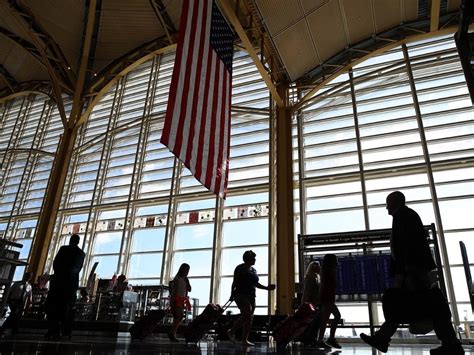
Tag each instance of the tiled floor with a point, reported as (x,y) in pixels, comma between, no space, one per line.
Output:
(98,345)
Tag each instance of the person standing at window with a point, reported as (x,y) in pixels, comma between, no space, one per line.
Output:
(63,288)
(243,293)
(179,301)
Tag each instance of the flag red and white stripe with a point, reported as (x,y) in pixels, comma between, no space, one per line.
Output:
(197,123)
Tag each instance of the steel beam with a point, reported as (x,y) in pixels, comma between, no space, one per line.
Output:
(165,20)
(226,6)
(435,9)
(331,76)
(52,199)
(26,88)
(93,9)
(269,53)
(46,47)
(27,46)
(78,99)
(8,78)
(59,172)
(285,253)
(106,85)
(431,180)
(114,69)
(54,55)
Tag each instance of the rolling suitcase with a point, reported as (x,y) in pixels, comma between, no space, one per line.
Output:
(310,334)
(146,324)
(295,325)
(203,322)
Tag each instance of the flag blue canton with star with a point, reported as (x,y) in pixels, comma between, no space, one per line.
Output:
(222,37)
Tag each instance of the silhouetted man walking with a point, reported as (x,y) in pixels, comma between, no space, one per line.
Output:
(414,296)
(63,288)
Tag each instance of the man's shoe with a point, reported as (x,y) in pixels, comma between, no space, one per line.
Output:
(247,343)
(374,342)
(231,336)
(448,349)
(333,343)
(322,345)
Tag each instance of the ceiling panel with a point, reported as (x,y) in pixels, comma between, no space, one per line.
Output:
(311,5)
(359,17)
(410,10)
(5,47)
(10,23)
(124,26)
(22,66)
(173,8)
(62,20)
(387,14)
(327,29)
(296,49)
(279,14)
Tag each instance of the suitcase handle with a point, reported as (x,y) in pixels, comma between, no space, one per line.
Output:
(226,305)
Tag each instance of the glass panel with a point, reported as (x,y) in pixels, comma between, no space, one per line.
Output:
(107,266)
(454,250)
(248,232)
(344,221)
(194,236)
(148,239)
(25,251)
(199,261)
(200,289)
(145,265)
(460,284)
(107,243)
(457,214)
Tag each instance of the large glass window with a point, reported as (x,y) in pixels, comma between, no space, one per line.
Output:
(391,155)
(139,211)
(135,205)
(29,134)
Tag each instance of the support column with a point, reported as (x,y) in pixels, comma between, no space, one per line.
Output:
(52,200)
(285,255)
(47,220)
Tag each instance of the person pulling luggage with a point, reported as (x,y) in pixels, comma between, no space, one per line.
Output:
(327,295)
(243,293)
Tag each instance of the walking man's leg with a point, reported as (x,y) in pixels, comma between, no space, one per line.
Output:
(443,327)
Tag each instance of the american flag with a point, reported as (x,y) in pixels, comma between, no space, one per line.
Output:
(197,122)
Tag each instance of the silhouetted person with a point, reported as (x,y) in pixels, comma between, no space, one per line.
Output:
(63,288)
(327,295)
(243,293)
(19,299)
(312,284)
(414,296)
(311,293)
(179,301)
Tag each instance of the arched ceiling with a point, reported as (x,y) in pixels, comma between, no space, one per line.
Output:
(299,38)
(308,33)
